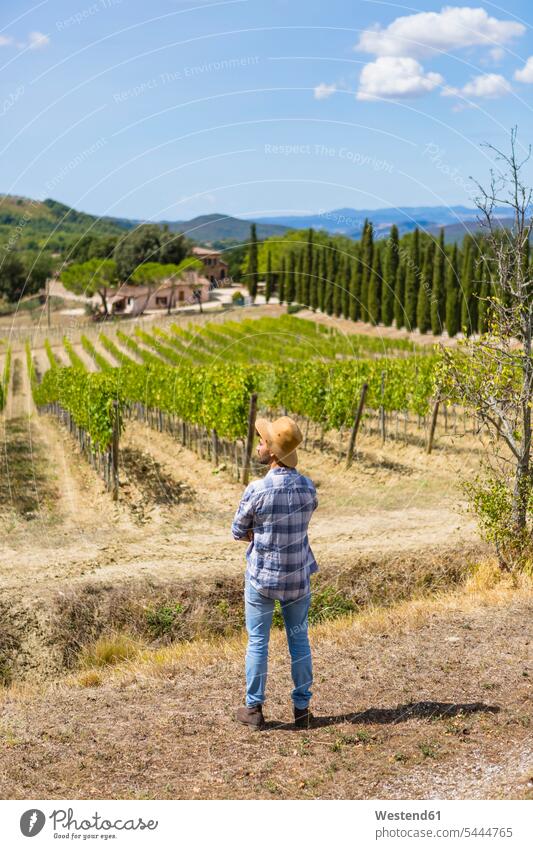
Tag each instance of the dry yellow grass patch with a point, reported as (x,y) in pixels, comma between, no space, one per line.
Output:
(118,659)
(486,586)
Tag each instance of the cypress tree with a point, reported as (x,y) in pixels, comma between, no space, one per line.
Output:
(281,283)
(374,290)
(268,278)
(330,279)
(321,264)
(438,287)
(339,283)
(290,286)
(423,306)
(300,277)
(468,301)
(483,303)
(367,249)
(399,297)
(313,279)
(452,295)
(345,295)
(307,270)
(392,259)
(252,263)
(355,286)
(412,281)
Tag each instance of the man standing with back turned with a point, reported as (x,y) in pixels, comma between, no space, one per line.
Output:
(274,515)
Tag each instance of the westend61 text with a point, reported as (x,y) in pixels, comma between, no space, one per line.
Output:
(407,815)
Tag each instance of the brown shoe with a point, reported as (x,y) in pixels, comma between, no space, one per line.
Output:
(302,717)
(251,716)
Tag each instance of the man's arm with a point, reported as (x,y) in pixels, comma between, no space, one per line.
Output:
(243,521)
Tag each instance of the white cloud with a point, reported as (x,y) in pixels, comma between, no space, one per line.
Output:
(323,90)
(497,54)
(525,74)
(427,32)
(5,40)
(395,76)
(37,40)
(484,85)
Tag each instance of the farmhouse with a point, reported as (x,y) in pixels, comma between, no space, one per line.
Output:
(134,300)
(215,268)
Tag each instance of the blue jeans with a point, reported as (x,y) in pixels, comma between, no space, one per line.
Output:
(258,615)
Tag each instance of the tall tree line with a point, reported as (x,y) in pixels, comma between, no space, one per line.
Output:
(413,282)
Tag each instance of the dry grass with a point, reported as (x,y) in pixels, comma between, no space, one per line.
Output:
(116,658)
(428,698)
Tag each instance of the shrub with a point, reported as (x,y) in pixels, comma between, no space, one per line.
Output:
(161,620)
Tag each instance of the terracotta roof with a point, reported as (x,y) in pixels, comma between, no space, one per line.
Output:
(205,252)
(127,290)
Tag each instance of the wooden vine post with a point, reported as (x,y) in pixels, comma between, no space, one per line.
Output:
(433,425)
(114,449)
(249,438)
(355,426)
(382,408)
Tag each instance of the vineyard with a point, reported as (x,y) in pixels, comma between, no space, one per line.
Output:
(205,385)
(166,412)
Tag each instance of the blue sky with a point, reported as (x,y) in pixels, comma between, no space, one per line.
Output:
(171,109)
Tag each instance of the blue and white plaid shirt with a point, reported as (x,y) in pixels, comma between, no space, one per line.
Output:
(278,508)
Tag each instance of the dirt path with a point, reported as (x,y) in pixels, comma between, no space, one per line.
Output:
(88,361)
(428,704)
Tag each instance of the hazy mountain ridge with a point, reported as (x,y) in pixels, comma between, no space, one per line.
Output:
(51,216)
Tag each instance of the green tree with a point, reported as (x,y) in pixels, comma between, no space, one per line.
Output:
(399,297)
(300,259)
(140,245)
(355,286)
(453,303)
(268,278)
(252,275)
(392,259)
(322,280)
(174,247)
(468,285)
(340,277)
(374,291)
(423,307)
(367,251)
(291,284)
(438,287)
(412,281)
(94,277)
(307,269)
(12,276)
(314,281)
(331,270)
(92,246)
(281,284)
(345,294)
(484,294)
(39,268)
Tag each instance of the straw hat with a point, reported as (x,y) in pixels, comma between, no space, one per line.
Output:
(282,436)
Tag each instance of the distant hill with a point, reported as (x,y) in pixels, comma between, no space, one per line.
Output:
(349,222)
(21,211)
(218,227)
(51,224)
